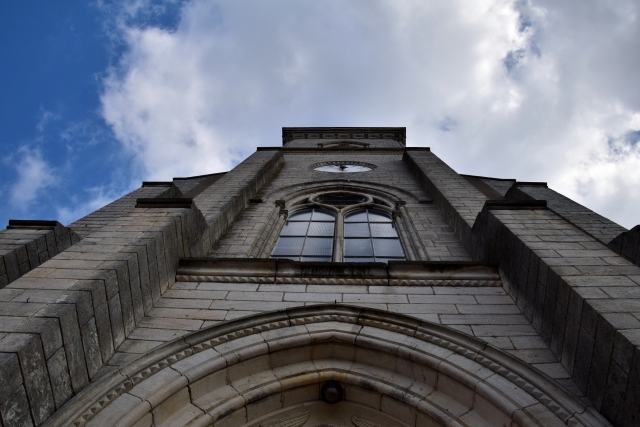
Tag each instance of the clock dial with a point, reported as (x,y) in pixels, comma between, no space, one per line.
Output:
(342,168)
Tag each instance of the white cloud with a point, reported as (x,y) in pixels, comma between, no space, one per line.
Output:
(98,197)
(45,117)
(34,175)
(533,90)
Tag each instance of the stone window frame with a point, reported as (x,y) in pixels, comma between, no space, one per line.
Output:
(310,200)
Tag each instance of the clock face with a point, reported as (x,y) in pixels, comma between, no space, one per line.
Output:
(342,168)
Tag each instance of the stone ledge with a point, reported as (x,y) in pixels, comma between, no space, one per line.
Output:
(495,205)
(164,202)
(266,270)
(26,244)
(157,183)
(529,184)
(31,224)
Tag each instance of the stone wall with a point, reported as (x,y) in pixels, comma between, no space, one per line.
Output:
(600,228)
(627,244)
(24,245)
(431,233)
(61,322)
(103,216)
(457,199)
(579,295)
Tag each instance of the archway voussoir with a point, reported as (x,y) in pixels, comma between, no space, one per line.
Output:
(373,353)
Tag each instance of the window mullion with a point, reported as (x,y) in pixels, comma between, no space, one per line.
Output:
(338,241)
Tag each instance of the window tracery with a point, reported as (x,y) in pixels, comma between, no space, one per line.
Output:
(340,226)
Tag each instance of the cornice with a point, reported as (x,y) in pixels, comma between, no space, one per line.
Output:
(281,271)
(344,133)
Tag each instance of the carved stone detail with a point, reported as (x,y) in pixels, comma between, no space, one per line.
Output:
(337,281)
(537,386)
(289,421)
(360,422)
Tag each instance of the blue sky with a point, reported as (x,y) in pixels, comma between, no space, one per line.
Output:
(96,96)
(57,150)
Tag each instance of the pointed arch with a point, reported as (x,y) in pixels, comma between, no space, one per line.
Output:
(271,366)
(288,198)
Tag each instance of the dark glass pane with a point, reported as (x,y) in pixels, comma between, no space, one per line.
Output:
(383,230)
(377,216)
(321,229)
(318,246)
(288,246)
(388,248)
(292,258)
(303,215)
(320,259)
(341,199)
(320,215)
(353,259)
(356,229)
(358,216)
(294,229)
(357,247)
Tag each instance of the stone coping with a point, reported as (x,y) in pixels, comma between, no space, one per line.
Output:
(224,369)
(514,205)
(351,150)
(396,133)
(157,183)
(31,224)
(164,202)
(266,270)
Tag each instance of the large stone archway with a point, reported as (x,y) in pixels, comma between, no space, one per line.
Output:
(269,369)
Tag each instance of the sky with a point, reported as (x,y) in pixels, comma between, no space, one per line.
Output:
(97,96)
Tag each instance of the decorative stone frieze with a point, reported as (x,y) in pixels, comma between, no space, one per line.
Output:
(393,273)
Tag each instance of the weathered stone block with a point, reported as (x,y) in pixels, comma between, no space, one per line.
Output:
(101,315)
(91,347)
(117,325)
(9,372)
(580,374)
(59,375)
(600,362)
(34,371)
(15,410)
(66,315)
(47,329)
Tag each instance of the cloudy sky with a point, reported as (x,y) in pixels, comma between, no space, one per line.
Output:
(96,96)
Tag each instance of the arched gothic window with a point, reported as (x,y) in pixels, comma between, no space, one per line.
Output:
(307,236)
(339,226)
(370,236)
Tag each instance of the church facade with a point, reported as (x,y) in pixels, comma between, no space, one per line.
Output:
(342,279)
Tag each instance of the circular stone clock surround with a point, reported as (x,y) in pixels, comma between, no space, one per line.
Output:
(340,166)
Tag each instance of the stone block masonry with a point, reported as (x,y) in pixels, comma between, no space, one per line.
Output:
(60,323)
(432,235)
(580,296)
(26,244)
(541,288)
(600,228)
(64,319)
(458,200)
(627,244)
